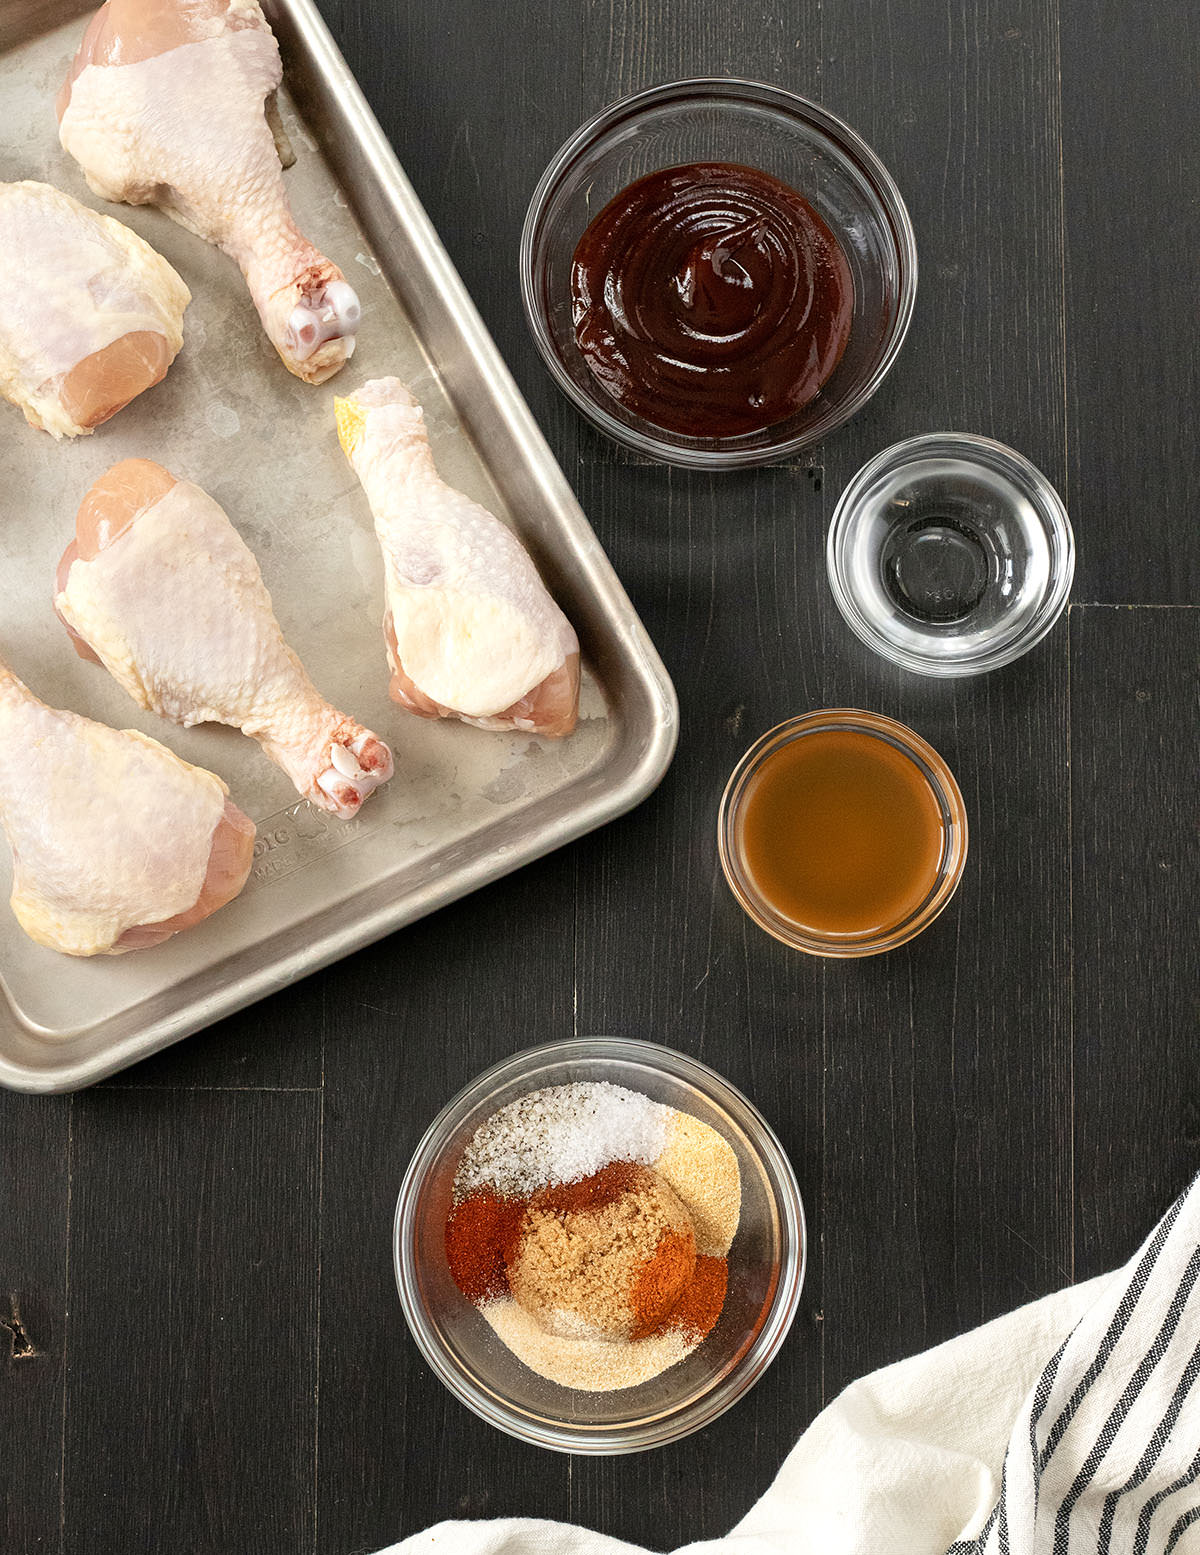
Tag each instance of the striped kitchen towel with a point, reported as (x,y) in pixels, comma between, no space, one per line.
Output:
(1105,1453)
(1068,1427)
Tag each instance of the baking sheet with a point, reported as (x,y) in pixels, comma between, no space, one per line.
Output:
(465,805)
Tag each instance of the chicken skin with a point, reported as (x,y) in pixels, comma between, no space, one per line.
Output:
(161,589)
(117,844)
(471,631)
(165,105)
(90,315)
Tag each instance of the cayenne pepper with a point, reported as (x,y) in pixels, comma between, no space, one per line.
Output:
(480,1232)
(700,1306)
(663,1282)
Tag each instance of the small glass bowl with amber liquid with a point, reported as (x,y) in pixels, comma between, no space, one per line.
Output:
(842,833)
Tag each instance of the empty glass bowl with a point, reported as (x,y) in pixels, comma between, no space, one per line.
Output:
(950,554)
(766,1261)
(764,127)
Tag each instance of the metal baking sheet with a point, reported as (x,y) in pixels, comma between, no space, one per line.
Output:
(465,806)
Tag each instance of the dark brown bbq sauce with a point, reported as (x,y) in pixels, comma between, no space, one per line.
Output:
(711,300)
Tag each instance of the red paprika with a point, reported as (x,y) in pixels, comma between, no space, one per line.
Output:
(698,1309)
(479,1231)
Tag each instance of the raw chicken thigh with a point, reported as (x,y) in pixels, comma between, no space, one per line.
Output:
(90,315)
(471,631)
(159,586)
(165,105)
(116,843)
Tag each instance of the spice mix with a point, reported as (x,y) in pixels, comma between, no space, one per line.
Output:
(591,1226)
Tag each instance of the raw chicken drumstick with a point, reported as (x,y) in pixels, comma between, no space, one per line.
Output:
(471,631)
(116,843)
(165,105)
(160,587)
(90,315)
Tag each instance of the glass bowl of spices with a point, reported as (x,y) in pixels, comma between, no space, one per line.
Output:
(599,1245)
(717,272)
(842,833)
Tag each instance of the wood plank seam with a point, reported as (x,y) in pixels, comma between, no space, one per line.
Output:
(66,1310)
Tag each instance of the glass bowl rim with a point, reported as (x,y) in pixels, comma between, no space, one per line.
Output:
(832,129)
(936,771)
(669,1425)
(972,447)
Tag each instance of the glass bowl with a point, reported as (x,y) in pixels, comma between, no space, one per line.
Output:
(766,1261)
(945,791)
(724,120)
(950,554)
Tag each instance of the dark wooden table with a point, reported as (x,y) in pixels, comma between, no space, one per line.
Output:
(202,1349)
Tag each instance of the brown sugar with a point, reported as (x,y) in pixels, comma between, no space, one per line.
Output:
(607,1257)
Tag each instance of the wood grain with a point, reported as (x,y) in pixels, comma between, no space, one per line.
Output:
(1003,1105)
(475,104)
(949,1061)
(414,1020)
(950,1058)
(275,1045)
(475,99)
(35,1149)
(961,102)
(1131,167)
(1135,756)
(718,568)
(191,1338)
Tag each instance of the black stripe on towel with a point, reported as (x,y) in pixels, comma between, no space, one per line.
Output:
(1002,1525)
(1062,1520)
(1152,1503)
(1116,1328)
(1184,1523)
(1152,1453)
(1041,1398)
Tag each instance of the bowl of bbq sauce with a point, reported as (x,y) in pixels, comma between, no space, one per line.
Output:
(717,272)
(842,833)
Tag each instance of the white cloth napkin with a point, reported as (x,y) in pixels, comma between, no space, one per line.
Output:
(1068,1427)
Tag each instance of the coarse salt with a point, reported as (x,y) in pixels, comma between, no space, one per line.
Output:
(560,1134)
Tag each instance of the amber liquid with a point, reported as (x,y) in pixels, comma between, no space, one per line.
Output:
(841,833)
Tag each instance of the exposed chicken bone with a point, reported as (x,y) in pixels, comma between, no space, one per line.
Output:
(166,104)
(333,314)
(170,599)
(344,761)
